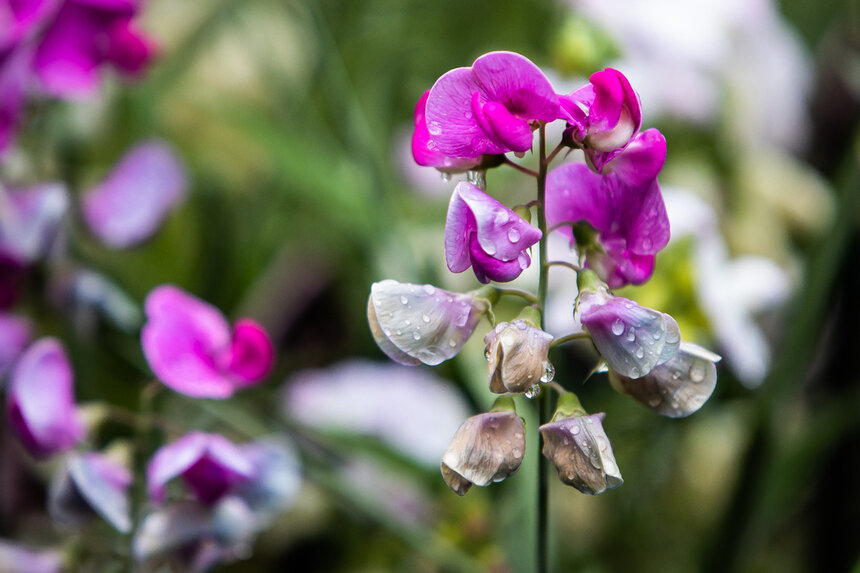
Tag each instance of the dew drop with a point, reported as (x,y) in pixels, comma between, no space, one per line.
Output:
(646,244)
(654,401)
(452,343)
(486,353)
(425,318)
(521,324)
(565,441)
(429,289)
(404,300)
(399,333)
(513,235)
(462,319)
(489,248)
(523,260)
(574,430)
(468,115)
(631,334)
(634,373)
(640,353)
(516,452)
(548,373)
(434,127)
(617,327)
(407,322)
(589,421)
(416,336)
(697,372)
(533,391)
(446,177)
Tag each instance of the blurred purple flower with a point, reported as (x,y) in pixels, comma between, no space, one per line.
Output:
(411,410)
(83,36)
(190,347)
(30,220)
(483,234)
(211,466)
(15,334)
(91,484)
(631,338)
(416,324)
(424,149)
(604,115)
(15,558)
(624,205)
(488,109)
(40,402)
(131,203)
(277,478)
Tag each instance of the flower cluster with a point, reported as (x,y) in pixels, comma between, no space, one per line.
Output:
(610,209)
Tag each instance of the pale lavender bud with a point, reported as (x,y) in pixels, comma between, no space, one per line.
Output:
(486,448)
(578,446)
(517,355)
(676,388)
(421,323)
(91,484)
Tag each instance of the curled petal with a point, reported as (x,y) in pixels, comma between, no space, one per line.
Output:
(642,159)
(615,115)
(251,351)
(679,386)
(581,452)
(517,356)
(631,338)
(421,323)
(424,149)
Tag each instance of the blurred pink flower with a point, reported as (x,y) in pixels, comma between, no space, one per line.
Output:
(191,348)
(131,203)
(15,558)
(40,407)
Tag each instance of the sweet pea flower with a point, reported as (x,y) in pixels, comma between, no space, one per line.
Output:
(517,355)
(30,220)
(82,37)
(604,116)
(483,234)
(488,109)
(211,466)
(131,203)
(190,347)
(676,388)
(632,339)
(15,335)
(425,151)
(487,448)
(91,484)
(416,324)
(15,558)
(40,406)
(623,205)
(577,445)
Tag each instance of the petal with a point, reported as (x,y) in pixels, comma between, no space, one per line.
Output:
(15,558)
(127,48)
(460,224)
(486,448)
(575,193)
(30,220)
(130,205)
(582,454)
(488,268)
(67,58)
(642,160)
(420,322)
(424,150)
(512,132)
(277,477)
(515,82)
(41,401)
(616,113)
(104,485)
(631,338)
(251,353)
(574,107)
(679,386)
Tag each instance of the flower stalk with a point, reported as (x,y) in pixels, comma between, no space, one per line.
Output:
(545,401)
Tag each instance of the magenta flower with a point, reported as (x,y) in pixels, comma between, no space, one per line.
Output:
(131,203)
(91,484)
(624,206)
(483,234)
(210,465)
(425,151)
(488,109)
(632,339)
(15,335)
(40,406)
(15,558)
(604,116)
(82,37)
(190,347)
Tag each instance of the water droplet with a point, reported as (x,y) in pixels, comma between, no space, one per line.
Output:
(513,235)
(574,430)
(517,452)
(548,373)
(404,300)
(452,343)
(640,353)
(589,421)
(565,441)
(523,260)
(416,336)
(477,178)
(617,327)
(399,333)
(429,289)
(518,435)
(532,391)
(646,244)
(462,319)
(425,318)
(631,334)
(434,127)
(468,115)
(407,322)
(387,332)
(489,248)
(486,354)
(634,372)
(657,335)
(697,372)
(446,177)
(654,401)
(521,324)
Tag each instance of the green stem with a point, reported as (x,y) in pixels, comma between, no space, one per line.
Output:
(568,338)
(518,293)
(571,266)
(545,405)
(519,167)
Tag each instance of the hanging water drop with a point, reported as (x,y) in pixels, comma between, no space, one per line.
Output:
(548,373)
(486,354)
(513,235)
(533,391)
(617,327)
(429,289)
(416,336)
(446,176)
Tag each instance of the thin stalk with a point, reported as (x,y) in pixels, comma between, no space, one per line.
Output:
(545,404)
(571,266)
(518,293)
(519,167)
(568,338)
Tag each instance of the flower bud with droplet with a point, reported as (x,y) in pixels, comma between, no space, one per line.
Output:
(486,448)
(421,323)
(517,354)
(676,388)
(632,339)
(578,446)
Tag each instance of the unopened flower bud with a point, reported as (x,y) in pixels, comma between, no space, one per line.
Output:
(486,448)
(517,354)
(676,388)
(421,323)
(575,442)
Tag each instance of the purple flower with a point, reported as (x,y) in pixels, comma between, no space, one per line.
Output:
(15,335)
(30,220)
(91,484)
(624,206)
(424,149)
(191,348)
(483,234)
(488,109)
(40,404)
(83,36)
(517,356)
(631,338)
(416,324)
(15,558)
(604,116)
(211,466)
(131,203)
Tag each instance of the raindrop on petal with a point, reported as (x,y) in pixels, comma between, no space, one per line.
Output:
(617,327)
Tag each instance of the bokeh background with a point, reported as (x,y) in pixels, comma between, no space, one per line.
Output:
(293,119)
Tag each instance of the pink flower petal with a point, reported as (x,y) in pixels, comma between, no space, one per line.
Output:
(251,353)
